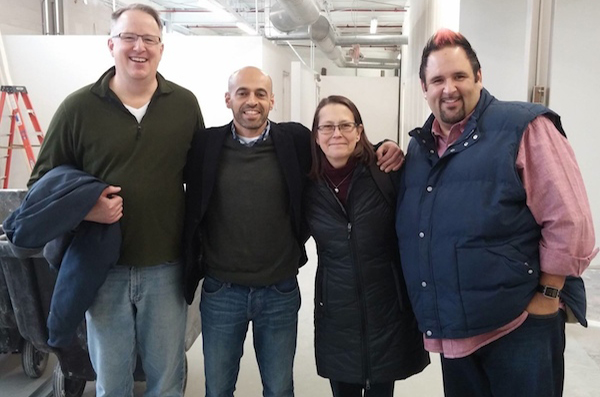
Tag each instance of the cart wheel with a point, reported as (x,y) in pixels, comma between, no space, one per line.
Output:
(66,387)
(34,361)
(185,373)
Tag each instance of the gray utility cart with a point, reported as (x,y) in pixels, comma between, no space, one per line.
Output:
(26,287)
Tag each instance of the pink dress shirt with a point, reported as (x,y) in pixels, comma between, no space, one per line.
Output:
(558,201)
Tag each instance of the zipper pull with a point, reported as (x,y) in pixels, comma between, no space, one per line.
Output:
(368,385)
(139,132)
(349,230)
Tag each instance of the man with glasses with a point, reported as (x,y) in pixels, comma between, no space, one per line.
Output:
(132,129)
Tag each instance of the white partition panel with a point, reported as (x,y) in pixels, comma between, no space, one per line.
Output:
(376,99)
(574,88)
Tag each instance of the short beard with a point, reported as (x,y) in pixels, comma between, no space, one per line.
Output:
(454,118)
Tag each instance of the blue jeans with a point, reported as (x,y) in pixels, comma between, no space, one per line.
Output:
(528,362)
(226,311)
(139,311)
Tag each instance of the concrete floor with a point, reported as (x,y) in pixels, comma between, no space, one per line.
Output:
(582,358)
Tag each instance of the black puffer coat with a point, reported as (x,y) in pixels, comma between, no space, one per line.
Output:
(365,330)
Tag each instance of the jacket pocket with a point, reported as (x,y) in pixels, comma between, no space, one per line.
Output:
(400,285)
(495,284)
(320,292)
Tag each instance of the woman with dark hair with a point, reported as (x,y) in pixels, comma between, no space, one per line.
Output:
(366,335)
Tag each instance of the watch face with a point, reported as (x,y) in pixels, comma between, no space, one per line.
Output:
(548,291)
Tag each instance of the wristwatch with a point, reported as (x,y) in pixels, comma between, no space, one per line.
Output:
(548,291)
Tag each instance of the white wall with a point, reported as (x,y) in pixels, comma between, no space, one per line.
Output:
(423,19)
(497,31)
(90,18)
(574,87)
(25,17)
(304,94)
(203,64)
(21,17)
(376,99)
(276,61)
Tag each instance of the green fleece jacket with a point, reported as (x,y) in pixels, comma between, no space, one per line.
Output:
(94,132)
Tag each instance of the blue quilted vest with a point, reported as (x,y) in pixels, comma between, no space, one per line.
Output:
(468,242)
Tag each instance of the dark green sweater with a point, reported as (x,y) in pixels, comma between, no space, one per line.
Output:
(248,235)
(94,132)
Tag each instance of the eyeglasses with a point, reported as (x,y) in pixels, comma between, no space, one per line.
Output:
(131,38)
(344,128)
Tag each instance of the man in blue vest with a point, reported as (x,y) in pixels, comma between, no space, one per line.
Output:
(494,229)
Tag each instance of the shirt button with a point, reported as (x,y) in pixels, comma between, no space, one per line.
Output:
(428,333)
(530,271)
(475,136)
(424,141)
(452,150)
(431,151)
(421,234)
(466,144)
(429,188)
(423,284)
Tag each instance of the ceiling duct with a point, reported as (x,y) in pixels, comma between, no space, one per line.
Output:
(322,34)
(289,15)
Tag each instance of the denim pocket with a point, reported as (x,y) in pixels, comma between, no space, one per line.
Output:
(286,286)
(212,286)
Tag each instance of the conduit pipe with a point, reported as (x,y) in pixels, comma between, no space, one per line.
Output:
(45,17)
(382,39)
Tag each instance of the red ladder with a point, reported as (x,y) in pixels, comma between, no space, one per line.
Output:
(13,93)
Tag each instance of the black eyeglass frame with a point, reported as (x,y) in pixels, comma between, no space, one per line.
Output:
(148,39)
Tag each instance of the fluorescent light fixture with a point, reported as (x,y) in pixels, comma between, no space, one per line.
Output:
(373,26)
(214,8)
(246,28)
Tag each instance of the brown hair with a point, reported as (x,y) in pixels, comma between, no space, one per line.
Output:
(447,38)
(140,7)
(363,152)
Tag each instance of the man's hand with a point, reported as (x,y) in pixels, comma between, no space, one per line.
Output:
(109,207)
(389,156)
(541,305)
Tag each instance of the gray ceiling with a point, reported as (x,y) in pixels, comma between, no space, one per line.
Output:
(347,17)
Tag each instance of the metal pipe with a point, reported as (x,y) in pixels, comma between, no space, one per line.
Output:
(346,41)
(45,17)
(56,17)
(378,60)
(368,66)
(372,39)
